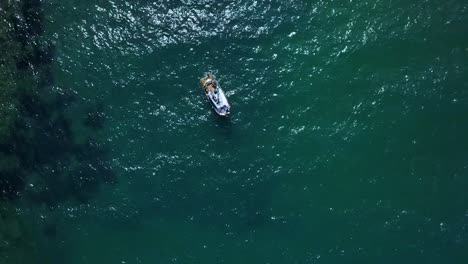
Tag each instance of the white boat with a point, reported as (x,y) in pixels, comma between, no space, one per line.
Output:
(215,95)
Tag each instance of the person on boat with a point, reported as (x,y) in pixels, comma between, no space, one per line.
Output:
(210,87)
(210,84)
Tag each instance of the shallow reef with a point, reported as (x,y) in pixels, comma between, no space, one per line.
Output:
(47,154)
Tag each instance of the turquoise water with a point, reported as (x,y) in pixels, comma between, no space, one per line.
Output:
(347,141)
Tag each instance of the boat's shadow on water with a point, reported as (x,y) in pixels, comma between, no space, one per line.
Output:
(224,124)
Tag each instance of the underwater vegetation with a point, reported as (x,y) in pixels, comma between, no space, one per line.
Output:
(46,156)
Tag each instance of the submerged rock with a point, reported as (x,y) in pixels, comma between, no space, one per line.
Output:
(46,157)
(42,151)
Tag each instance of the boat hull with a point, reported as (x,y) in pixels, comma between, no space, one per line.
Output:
(217,99)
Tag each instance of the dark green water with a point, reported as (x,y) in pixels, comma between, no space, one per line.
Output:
(347,141)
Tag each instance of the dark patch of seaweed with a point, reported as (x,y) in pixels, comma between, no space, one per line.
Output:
(46,157)
(42,149)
